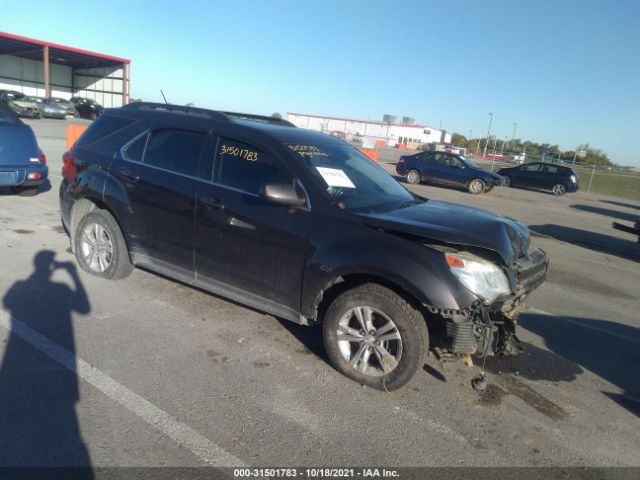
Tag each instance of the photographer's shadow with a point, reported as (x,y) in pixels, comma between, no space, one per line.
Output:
(38,422)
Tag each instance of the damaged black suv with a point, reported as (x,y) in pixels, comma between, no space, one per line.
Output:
(300,225)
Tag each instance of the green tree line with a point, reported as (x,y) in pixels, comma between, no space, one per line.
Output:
(532,149)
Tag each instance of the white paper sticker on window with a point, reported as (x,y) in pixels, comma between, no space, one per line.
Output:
(335,177)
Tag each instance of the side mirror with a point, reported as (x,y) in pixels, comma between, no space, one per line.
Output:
(282,194)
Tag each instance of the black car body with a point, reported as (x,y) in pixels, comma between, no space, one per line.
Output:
(448,170)
(22,164)
(546,176)
(20,104)
(69,107)
(86,107)
(49,109)
(300,225)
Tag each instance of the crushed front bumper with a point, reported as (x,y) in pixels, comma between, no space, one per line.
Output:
(490,329)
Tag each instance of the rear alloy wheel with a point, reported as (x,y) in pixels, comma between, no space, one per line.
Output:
(100,247)
(507,181)
(413,176)
(476,186)
(558,189)
(373,336)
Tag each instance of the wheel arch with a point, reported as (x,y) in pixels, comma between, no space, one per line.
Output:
(87,205)
(351,278)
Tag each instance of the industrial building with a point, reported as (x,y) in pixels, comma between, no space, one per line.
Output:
(391,133)
(46,69)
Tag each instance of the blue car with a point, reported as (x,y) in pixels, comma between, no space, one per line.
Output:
(23,166)
(547,176)
(446,169)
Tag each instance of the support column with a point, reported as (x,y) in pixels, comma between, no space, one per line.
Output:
(125,84)
(45,61)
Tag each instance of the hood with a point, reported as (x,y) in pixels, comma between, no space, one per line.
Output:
(25,103)
(454,224)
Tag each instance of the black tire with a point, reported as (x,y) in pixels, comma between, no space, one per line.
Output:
(507,181)
(409,323)
(25,191)
(413,176)
(559,189)
(119,264)
(476,186)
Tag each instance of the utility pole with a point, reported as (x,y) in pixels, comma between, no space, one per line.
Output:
(513,135)
(484,154)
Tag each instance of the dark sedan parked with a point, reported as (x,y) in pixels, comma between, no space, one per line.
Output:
(87,108)
(446,169)
(23,166)
(547,176)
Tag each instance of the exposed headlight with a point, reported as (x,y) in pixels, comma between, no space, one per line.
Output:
(573,178)
(483,278)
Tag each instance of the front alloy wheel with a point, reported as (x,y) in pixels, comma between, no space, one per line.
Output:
(375,337)
(369,340)
(476,186)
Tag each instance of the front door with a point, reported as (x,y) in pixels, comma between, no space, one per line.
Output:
(527,175)
(245,245)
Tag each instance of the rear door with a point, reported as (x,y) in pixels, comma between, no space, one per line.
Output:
(435,168)
(160,171)
(550,175)
(244,245)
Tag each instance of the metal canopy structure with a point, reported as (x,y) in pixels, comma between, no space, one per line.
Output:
(82,63)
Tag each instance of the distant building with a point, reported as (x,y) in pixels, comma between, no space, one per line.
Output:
(391,133)
(46,69)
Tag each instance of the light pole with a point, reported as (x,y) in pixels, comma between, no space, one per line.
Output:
(513,135)
(484,154)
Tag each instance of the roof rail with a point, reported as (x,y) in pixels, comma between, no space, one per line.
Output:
(261,118)
(214,115)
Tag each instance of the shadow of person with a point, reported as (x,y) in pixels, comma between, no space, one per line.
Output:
(38,422)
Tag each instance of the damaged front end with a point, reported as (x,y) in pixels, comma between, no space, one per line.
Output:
(488,328)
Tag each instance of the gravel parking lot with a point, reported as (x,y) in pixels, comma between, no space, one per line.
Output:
(149,372)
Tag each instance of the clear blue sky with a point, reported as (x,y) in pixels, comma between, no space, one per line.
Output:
(568,72)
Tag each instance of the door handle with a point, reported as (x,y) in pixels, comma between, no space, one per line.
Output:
(236,222)
(212,203)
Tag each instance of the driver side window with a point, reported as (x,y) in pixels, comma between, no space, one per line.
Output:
(244,167)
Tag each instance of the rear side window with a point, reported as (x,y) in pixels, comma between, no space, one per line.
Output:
(174,150)
(135,150)
(550,169)
(244,167)
(104,125)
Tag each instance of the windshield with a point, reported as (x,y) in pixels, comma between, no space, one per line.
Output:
(352,181)
(469,162)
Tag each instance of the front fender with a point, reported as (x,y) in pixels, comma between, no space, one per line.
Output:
(418,269)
